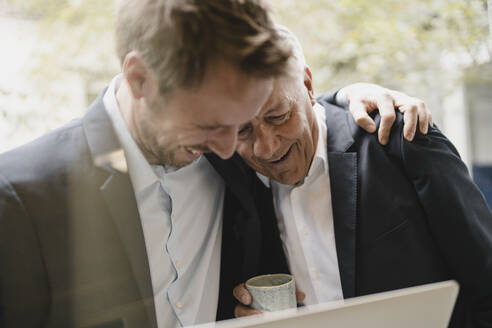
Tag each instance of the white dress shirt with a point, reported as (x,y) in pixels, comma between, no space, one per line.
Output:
(181,215)
(305,221)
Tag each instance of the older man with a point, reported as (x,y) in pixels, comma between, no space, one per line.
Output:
(354,217)
(115,219)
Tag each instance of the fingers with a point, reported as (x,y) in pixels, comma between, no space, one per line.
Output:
(415,110)
(423,117)
(386,108)
(241,294)
(300,296)
(365,98)
(359,111)
(410,121)
(243,311)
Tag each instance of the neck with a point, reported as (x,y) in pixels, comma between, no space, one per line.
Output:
(125,102)
(129,106)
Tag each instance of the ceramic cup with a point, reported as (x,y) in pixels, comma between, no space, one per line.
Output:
(272,292)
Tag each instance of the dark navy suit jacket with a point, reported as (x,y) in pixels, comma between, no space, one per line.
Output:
(405,214)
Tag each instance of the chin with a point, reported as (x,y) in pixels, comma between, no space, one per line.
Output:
(179,164)
(176,161)
(289,180)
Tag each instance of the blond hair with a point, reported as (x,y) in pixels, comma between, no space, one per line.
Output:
(177,39)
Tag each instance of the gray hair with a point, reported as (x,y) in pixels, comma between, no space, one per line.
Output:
(297,62)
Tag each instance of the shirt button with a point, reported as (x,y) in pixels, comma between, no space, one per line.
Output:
(305,232)
(179,305)
(178,265)
(173,218)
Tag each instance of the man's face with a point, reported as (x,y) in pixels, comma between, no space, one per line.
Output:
(281,141)
(177,129)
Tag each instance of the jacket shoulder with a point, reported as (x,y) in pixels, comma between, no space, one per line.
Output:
(47,156)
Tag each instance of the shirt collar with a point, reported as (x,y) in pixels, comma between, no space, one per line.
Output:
(320,158)
(321,148)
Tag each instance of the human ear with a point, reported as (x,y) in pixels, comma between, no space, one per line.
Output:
(136,73)
(308,83)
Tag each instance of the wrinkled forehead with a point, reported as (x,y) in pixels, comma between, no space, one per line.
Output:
(287,88)
(286,91)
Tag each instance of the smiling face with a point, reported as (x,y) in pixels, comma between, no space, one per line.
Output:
(176,129)
(281,141)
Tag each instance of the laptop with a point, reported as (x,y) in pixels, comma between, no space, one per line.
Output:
(423,306)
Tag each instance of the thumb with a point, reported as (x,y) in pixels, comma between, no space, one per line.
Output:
(241,294)
(300,296)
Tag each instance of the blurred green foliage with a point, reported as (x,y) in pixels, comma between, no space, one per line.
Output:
(76,34)
(416,45)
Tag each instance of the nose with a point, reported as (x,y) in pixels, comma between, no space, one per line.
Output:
(265,145)
(224,142)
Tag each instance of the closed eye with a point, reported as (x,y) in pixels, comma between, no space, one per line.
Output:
(278,119)
(245,131)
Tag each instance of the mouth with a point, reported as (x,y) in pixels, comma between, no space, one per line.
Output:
(281,159)
(195,152)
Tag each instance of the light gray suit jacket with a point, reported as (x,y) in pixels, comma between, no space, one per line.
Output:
(72,252)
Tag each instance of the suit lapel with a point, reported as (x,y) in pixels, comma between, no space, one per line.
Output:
(118,194)
(244,217)
(343,182)
(237,177)
(343,172)
(241,234)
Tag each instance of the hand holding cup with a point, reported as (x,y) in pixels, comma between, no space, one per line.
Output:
(266,293)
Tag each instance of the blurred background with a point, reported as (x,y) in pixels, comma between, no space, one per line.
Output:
(57,55)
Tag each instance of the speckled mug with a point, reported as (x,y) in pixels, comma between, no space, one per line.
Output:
(272,292)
